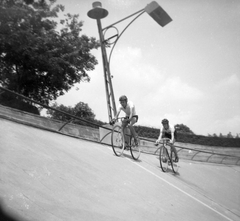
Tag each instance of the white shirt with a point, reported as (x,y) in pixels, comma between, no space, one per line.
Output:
(170,129)
(130,106)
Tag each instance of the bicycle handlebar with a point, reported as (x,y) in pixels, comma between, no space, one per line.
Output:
(165,140)
(112,122)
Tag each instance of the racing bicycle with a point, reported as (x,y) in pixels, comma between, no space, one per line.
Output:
(167,156)
(121,141)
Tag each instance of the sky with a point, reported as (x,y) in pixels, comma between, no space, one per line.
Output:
(187,71)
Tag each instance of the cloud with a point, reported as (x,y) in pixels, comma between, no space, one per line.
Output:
(227,90)
(225,126)
(129,65)
(125,58)
(175,116)
(121,4)
(131,72)
(155,93)
(229,82)
(176,89)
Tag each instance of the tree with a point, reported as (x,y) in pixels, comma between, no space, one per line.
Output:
(181,128)
(36,60)
(229,135)
(81,110)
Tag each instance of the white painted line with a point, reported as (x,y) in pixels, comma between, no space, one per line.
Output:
(181,190)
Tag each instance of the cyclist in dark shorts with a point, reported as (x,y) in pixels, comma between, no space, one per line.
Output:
(131,117)
(168,131)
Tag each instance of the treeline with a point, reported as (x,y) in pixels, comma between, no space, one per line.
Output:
(208,140)
(153,133)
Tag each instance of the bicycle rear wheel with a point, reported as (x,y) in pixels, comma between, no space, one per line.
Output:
(163,158)
(173,163)
(134,149)
(117,140)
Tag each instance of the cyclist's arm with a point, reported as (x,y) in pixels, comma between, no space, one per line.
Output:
(131,107)
(172,135)
(116,116)
(118,112)
(160,135)
(131,113)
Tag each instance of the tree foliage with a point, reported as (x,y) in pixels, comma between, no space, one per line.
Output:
(40,58)
(181,128)
(154,133)
(81,110)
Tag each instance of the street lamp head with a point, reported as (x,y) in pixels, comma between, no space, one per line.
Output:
(97,12)
(157,13)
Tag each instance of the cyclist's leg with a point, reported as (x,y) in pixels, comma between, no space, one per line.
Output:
(164,135)
(132,122)
(125,131)
(173,148)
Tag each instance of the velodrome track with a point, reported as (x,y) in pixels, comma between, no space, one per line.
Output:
(49,176)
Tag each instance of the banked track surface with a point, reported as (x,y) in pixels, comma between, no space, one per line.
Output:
(49,176)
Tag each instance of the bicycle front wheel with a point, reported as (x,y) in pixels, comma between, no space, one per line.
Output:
(173,163)
(163,158)
(134,149)
(117,140)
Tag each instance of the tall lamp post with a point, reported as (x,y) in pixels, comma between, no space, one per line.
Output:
(98,13)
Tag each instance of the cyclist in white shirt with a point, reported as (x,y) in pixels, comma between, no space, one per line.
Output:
(131,117)
(167,131)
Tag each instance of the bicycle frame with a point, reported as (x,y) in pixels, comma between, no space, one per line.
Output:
(128,132)
(166,156)
(118,141)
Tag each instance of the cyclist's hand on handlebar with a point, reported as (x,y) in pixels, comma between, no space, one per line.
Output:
(126,120)
(112,122)
(157,142)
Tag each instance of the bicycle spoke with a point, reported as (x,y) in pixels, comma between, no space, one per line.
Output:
(117,140)
(163,158)
(173,163)
(134,149)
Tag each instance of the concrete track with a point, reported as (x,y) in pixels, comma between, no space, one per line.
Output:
(49,176)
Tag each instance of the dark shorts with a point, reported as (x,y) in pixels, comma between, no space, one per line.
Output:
(136,117)
(168,135)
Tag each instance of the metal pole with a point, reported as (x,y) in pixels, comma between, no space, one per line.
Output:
(107,76)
